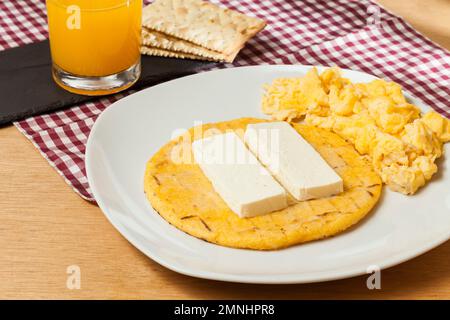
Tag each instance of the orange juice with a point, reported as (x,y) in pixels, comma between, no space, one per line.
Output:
(94,38)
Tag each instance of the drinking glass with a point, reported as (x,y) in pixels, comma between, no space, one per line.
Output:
(95,44)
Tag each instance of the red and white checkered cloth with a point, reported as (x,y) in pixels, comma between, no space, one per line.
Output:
(358,35)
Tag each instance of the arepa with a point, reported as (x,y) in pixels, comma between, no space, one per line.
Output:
(182,195)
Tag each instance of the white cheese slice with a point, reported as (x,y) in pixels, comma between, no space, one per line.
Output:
(237,176)
(292,160)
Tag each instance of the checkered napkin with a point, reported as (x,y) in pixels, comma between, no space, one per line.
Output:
(358,35)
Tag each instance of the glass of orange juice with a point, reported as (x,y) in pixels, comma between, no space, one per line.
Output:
(95,44)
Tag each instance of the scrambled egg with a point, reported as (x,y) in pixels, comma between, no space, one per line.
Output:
(374,116)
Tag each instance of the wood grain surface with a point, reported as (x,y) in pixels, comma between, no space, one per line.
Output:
(45,227)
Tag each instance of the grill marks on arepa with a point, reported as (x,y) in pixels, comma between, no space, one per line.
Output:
(185,197)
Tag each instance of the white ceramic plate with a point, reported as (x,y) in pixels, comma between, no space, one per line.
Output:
(131,130)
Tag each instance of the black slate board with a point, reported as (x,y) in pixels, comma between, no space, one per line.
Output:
(27,87)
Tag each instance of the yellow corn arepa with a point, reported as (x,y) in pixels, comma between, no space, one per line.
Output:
(375,117)
(189,25)
(182,195)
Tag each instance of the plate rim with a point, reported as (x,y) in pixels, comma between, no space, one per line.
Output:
(293,278)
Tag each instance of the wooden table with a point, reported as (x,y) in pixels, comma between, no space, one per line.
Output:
(45,227)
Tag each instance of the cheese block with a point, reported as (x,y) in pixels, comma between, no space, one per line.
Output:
(237,176)
(292,160)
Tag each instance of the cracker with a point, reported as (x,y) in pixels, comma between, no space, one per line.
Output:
(202,23)
(156,39)
(153,51)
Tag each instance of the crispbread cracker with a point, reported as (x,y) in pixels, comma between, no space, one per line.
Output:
(152,51)
(202,23)
(156,39)
(184,196)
